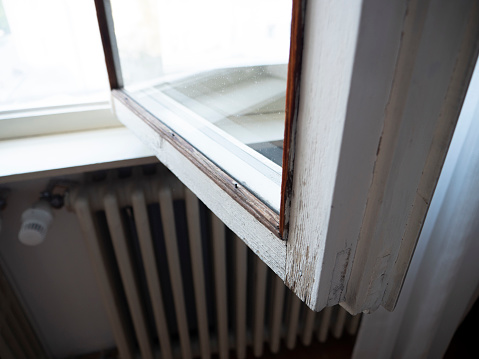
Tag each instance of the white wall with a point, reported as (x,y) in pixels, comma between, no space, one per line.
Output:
(54,279)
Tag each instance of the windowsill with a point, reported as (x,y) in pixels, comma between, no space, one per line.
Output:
(76,152)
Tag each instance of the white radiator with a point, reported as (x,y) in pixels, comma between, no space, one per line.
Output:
(176,283)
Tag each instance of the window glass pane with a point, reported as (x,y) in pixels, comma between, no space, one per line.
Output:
(246,102)
(51,54)
(220,66)
(165,37)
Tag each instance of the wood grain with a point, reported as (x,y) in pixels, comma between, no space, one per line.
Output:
(371,139)
(448,116)
(291,111)
(328,61)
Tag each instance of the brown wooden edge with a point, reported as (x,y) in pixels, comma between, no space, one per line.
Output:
(292,107)
(240,194)
(108,39)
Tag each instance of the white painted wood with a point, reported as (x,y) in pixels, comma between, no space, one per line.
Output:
(171,239)
(105,283)
(241,267)
(381,87)
(403,184)
(28,123)
(265,244)
(219,260)
(196,252)
(259,306)
(466,57)
(441,282)
(125,265)
(151,270)
(70,153)
(391,135)
(277,314)
(323,232)
(331,29)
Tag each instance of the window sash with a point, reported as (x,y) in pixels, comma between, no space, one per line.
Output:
(267,189)
(367,141)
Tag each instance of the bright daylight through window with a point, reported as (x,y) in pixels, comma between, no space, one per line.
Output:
(51,55)
(215,72)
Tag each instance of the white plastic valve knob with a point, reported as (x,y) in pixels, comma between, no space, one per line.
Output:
(35,224)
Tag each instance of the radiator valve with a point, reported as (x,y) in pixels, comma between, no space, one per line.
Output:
(35,223)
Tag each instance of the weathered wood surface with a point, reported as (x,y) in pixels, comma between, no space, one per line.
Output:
(245,198)
(448,115)
(291,111)
(244,214)
(324,218)
(416,136)
(381,88)
(382,85)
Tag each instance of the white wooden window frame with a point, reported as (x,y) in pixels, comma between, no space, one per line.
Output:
(381,88)
(56,119)
(263,179)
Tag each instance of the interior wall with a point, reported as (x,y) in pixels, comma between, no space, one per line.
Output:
(54,280)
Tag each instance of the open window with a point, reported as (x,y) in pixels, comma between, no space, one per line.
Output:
(371,97)
(46,88)
(215,75)
(214,72)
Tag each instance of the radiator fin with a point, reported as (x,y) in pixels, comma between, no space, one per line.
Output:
(150,265)
(240,297)
(277,315)
(104,277)
(293,321)
(196,251)
(219,252)
(189,287)
(259,306)
(126,267)
(325,324)
(171,240)
(307,336)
